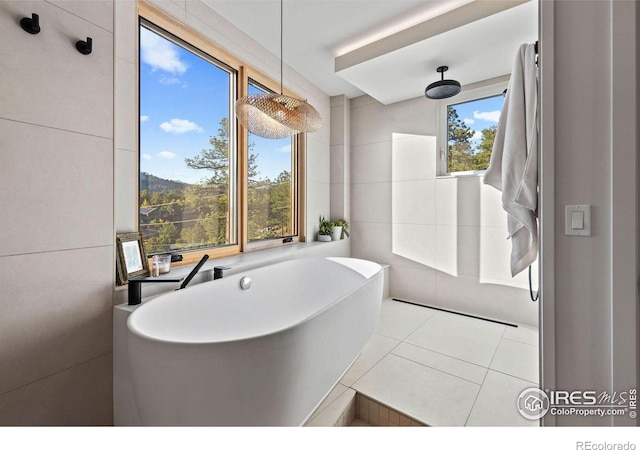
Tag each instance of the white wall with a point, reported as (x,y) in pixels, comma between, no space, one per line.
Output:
(445,237)
(590,139)
(56,192)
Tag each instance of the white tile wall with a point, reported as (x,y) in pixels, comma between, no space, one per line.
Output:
(58,187)
(337,130)
(414,157)
(492,300)
(371,241)
(78,396)
(125,104)
(126,181)
(56,312)
(48,82)
(371,202)
(176,8)
(457,250)
(458,201)
(318,164)
(337,163)
(449,231)
(414,202)
(414,284)
(126,33)
(98,12)
(371,162)
(415,242)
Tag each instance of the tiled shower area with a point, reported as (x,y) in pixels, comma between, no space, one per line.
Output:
(429,367)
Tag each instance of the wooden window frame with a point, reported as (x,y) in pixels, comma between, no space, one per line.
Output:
(244,73)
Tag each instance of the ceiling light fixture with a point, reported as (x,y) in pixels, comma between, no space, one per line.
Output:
(275,116)
(442,88)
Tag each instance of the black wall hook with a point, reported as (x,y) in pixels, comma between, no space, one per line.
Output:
(31,25)
(85,47)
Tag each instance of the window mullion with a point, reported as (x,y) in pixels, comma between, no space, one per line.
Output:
(243,156)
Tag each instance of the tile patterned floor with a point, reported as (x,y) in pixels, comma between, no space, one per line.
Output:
(445,369)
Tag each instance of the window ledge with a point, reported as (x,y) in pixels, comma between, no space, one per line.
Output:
(243,262)
(479,173)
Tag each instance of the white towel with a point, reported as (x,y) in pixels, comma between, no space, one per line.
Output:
(513,168)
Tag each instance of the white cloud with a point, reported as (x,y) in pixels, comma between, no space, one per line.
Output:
(166,155)
(169,80)
(477,135)
(468,121)
(160,53)
(285,149)
(491,116)
(180,126)
(144,118)
(147,156)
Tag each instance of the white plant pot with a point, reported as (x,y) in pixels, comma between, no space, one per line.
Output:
(324,238)
(336,233)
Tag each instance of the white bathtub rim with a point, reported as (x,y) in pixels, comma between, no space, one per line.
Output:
(132,329)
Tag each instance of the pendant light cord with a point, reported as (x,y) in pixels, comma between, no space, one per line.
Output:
(281,55)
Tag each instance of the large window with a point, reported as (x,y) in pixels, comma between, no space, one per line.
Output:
(205,183)
(470,129)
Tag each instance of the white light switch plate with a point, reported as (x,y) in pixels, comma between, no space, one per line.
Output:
(569,211)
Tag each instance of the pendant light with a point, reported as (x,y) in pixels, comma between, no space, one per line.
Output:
(275,116)
(442,88)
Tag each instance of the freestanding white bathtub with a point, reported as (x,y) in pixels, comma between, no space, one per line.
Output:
(215,354)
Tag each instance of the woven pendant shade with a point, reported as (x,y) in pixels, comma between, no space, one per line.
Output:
(275,116)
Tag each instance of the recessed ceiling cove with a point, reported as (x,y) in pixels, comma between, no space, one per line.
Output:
(477,41)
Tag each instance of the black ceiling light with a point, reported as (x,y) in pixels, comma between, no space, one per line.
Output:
(442,88)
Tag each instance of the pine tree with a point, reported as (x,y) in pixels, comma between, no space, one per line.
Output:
(483,152)
(459,142)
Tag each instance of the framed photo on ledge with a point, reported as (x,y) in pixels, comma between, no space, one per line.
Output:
(131,258)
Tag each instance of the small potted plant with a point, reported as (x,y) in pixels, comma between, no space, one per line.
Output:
(336,231)
(345,227)
(324,232)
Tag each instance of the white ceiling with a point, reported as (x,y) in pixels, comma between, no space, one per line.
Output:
(385,48)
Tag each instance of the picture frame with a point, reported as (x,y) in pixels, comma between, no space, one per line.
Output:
(131,260)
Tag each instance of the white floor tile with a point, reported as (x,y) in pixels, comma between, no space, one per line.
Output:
(461,337)
(496,403)
(523,333)
(398,320)
(516,359)
(447,364)
(331,396)
(377,347)
(330,415)
(426,394)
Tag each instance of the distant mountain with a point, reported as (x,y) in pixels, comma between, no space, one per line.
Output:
(157,184)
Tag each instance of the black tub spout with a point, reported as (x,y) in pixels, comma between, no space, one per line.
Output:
(193,272)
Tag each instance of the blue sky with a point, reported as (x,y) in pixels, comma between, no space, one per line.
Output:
(480,114)
(183,97)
